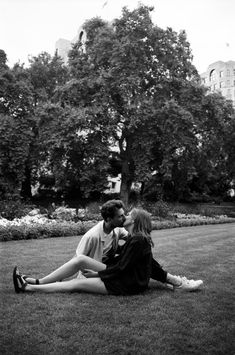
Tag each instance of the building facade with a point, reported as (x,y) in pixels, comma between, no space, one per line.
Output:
(63,46)
(220,77)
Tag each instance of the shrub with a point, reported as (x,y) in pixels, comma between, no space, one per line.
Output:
(93,208)
(184,208)
(64,213)
(92,212)
(11,209)
(210,211)
(47,230)
(198,209)
(56,229)
(158,209)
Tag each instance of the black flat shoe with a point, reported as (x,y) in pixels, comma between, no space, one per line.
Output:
(18,281)
(29,277)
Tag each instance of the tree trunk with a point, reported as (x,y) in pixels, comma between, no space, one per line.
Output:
(26,191)
(126,182)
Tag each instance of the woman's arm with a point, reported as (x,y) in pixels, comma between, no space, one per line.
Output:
(135,248)
(89,273)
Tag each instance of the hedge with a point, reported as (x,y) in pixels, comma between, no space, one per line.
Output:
(56,229)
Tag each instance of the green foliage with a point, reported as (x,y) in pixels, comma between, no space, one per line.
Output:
(16,129)
(67,229)
(47,230)
(158,209)
(46,74)
(124,76)
(14,208)
(129,102)
(77,158)
(15,141)
(21,91)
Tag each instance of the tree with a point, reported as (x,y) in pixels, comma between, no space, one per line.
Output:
(215,161)
(15,140)
(46,73)
(70,153)
(125,77)
(21,91)
(16,122)
(3,60)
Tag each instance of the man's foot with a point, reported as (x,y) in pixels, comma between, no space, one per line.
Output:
(188,285)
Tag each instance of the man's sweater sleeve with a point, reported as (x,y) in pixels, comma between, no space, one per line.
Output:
(84,246)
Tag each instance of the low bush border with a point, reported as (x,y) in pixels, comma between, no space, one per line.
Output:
(68,229)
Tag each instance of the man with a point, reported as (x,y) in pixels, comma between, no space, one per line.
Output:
(101,243)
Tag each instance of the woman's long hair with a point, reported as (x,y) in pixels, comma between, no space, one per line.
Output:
(142,224)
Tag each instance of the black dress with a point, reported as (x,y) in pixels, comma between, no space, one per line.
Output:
(130,271)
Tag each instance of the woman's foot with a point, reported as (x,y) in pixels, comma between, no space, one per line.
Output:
(31,280)
(18,281)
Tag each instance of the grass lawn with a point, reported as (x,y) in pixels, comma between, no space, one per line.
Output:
(157,322)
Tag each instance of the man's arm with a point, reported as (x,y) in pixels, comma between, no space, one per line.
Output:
(157,272)
(84,246)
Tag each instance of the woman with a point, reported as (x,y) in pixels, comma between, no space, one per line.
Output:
(129,273)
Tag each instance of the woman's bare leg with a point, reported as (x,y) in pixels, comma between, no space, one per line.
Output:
(72,267)
(91,285)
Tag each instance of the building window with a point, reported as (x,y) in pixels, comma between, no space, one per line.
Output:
(221,74)
(215,87)
(113,185)
(233,71)
(228,72)
(228,82)
(221,84)
(212,75)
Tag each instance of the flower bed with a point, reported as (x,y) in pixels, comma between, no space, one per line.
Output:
(36,226)
(187,221)
(39,226)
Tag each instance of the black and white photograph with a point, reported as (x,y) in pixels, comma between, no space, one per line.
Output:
(117,177)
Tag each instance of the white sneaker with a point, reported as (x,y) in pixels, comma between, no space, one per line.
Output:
(169,286)
(188,285)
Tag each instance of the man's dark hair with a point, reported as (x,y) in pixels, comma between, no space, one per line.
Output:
(110,207)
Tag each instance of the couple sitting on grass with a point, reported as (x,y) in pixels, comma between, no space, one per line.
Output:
(107,266)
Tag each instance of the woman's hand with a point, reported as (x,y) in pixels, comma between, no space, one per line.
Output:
(89,273)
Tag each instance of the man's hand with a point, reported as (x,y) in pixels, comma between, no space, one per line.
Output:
(89,273)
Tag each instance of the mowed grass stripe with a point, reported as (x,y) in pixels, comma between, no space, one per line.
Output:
(157,322)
